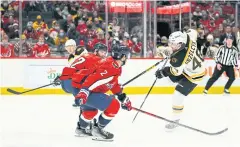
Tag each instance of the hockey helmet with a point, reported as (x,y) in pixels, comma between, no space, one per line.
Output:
(80,50)
(100,46)
(177,40)
(120,51)
(70,42)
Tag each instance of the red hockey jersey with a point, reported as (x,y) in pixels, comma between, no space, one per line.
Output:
(104,78)
(85,61)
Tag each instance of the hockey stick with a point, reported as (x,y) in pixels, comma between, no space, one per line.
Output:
(145,99)
(149,92)
(182,125)
(156,64)
(19,93)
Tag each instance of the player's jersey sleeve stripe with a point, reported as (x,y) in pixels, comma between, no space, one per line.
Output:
(187,54)
(101,82)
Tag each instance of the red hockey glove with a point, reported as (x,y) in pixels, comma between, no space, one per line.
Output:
(126,103)
(82,96)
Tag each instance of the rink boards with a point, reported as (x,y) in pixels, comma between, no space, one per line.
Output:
(22,74)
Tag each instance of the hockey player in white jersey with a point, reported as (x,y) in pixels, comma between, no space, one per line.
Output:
(186,68)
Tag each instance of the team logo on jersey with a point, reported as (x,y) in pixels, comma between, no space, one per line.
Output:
(109,86)
(174,60)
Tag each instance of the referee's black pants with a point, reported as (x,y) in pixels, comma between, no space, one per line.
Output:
(217,73)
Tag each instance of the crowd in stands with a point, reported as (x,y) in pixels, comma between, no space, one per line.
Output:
(213,21)
(47,25)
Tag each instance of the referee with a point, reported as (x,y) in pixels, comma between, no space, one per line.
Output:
(226,59)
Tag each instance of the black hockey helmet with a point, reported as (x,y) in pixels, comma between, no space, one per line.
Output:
(100,46)
(119,51)
(80,50)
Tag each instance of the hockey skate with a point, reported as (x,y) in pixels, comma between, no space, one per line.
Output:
(171,126)
(101,135)
(80,132)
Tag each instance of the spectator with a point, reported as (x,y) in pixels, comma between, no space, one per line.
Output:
(213,47)
(41,49)
(48,39)
(4,6)
(54,31)
(23,48)
(204,21)
(100,39)
(137,46)
(7,21)
(78,17)
(197,14)
(72,33)
(29,32)
(13,31)
(219,31)
(163,49)
(82,27)
(91,33)
(211,26)
(217,8)
(96,23)
(73,9)
(7,49)
(61,38)
(228,32)
(65,12)
(89,5)
(39,24)
(57,13)
(33,6)
(228,9)
(65,24)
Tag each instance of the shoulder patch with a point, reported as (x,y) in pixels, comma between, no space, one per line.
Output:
(177,59)
(174,60)
(115,65)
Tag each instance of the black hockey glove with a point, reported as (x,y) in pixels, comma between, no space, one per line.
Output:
(160,73)
(125,102)
(57,81)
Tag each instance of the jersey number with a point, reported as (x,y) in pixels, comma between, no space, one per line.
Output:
(103,73)
(196,62)
(78,61)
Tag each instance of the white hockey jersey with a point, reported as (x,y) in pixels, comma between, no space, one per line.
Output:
(188,62)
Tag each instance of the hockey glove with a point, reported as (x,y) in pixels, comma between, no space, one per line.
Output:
(82,96)
(57,81)
(160,74)
(125,102)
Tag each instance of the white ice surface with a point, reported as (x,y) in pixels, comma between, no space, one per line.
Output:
(50,121)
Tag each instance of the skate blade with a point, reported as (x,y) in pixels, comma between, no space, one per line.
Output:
(82,136)
(102,139)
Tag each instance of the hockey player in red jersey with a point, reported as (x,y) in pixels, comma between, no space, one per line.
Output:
(93,98)
(81,61)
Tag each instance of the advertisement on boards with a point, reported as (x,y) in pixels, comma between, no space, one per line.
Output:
(39,74)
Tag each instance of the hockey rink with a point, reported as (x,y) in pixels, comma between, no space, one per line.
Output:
(50,121)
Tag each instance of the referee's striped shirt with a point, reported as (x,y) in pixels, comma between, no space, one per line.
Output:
(227,56)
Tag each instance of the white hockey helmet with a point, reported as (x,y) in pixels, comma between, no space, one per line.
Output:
(70,42)
(177,39)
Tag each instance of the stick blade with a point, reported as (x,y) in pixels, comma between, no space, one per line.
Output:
(13,91)
(218,133)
